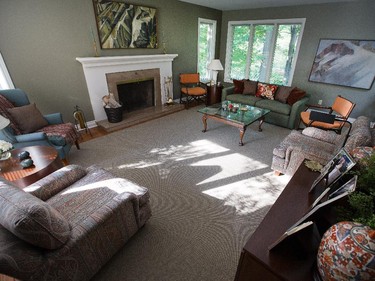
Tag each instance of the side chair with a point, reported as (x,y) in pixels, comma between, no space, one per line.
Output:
(342,107)
(50,129)
(192,88)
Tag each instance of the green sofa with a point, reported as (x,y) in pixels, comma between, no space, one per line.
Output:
(282,114)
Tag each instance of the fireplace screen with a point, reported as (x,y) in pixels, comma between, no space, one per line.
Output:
(136,95)
(121,25)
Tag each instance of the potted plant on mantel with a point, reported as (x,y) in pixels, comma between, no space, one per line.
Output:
(347,249)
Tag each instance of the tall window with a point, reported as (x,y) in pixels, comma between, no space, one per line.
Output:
(206,46)
(5,80)
(263,50)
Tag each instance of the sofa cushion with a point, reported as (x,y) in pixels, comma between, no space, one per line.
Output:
(283,93)
(324,135)
(266,91)
(28,118)
(250,87)
(360,135)
(238,86)
(295,95)
(244,99)
(31,219)
(274,106)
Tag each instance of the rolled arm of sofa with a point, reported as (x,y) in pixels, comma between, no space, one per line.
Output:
(296,110)
(38,136)
(52,184)
(227,91)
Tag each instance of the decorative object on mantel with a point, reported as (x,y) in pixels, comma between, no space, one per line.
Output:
(112,108)
(313,165)
(347,252)
(125,25)
(344,62)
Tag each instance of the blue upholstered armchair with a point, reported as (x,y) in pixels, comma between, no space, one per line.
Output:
(55,133)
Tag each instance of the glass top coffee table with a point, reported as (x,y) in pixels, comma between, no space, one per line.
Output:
(237,115)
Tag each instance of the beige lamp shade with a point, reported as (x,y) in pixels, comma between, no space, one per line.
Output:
(4,122)
(215,65)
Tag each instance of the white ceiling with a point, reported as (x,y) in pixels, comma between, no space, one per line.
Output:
(227,5)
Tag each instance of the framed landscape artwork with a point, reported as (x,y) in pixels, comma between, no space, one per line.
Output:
(122,25)
(345,62)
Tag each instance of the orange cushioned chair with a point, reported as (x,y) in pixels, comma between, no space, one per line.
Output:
(342,106)
(192,88)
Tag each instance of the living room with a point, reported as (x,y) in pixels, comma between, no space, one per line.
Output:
(42,40)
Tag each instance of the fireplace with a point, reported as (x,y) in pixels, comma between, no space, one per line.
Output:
(136,89)
(99,72)
(136,95)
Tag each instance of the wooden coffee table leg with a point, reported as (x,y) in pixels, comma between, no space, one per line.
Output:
(242,132)
(261,120)
(204,120)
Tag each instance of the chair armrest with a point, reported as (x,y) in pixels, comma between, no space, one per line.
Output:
(226,91)
(54,118)
(318,106)
(295,112)
(319,134)
(52,184)
(38,136)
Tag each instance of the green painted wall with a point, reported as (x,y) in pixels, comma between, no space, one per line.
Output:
(40,40)
(353,20)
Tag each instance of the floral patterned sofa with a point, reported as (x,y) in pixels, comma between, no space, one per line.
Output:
(69,224)
(319,145)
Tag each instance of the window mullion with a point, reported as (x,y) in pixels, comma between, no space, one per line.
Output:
(249,52)
(272,52)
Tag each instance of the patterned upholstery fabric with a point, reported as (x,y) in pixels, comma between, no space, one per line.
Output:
(31,219)
(4,104)
(104,212)
(61,134)
(319,145)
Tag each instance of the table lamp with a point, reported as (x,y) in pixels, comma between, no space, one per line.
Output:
(215,66)
(4,122)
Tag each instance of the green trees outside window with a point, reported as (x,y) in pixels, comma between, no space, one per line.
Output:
(206,46)
(263,51)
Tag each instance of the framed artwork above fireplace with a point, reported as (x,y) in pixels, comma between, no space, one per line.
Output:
(122,25)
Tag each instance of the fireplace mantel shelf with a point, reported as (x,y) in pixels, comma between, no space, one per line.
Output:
(119,60)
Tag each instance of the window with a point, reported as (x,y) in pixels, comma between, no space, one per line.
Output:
(206,46)
(5,80)
(263,50)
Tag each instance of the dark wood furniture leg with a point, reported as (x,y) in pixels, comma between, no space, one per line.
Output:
(261,121)
(204,120)
(242,132)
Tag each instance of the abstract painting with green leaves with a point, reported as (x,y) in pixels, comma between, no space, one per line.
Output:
(122,25)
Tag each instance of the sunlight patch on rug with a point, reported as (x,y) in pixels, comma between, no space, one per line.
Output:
(231,165)
(251,194)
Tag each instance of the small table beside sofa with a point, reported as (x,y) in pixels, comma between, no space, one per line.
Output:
(286,103)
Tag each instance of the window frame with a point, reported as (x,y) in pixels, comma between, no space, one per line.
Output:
(5,79)
(253,23)
(212,47)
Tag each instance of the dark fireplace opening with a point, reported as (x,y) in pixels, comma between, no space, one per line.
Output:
(135,95)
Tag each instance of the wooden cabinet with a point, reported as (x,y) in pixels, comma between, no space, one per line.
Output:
(213,94)
(290,260)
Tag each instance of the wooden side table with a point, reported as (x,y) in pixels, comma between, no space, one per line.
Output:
(46,160)
(213,94)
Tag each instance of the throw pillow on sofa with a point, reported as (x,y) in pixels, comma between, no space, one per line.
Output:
(31,219)
(283,93)
(238,86)
(250,87)
(295,95)
(266,91)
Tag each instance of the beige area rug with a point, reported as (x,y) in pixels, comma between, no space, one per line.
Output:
(208,194)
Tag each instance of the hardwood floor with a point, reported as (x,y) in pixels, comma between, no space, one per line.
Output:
(93,133)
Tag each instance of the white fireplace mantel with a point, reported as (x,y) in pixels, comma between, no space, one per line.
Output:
(96,68)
